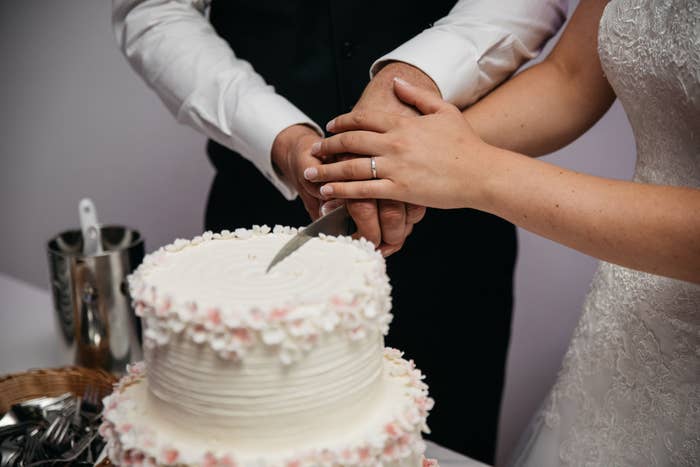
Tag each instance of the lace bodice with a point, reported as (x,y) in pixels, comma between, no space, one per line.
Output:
(650,51)
(628,393)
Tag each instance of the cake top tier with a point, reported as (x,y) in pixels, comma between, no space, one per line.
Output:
(217,283)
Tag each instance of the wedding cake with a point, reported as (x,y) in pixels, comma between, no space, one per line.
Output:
(247,368)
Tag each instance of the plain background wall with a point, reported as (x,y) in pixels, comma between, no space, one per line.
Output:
(78,122)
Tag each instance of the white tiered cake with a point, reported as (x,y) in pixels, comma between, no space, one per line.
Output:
(280,369)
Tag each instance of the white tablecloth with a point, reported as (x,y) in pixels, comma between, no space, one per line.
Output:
(29,338)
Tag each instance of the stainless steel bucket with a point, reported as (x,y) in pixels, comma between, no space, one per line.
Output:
(91,297)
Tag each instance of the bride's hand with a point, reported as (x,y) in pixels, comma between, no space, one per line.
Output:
(433,160)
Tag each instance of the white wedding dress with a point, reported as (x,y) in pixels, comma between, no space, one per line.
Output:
(628,393)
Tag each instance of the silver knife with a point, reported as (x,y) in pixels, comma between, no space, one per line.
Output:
(336,222)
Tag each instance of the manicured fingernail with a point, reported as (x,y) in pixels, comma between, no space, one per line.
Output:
(315,148)
(310,173)
(326,190)
(401,81)
(330,125)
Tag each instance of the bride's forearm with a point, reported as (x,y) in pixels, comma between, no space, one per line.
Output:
(551,104)
(651,228)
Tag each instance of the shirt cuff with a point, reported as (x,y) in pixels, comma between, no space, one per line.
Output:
(447,59)
(270,115)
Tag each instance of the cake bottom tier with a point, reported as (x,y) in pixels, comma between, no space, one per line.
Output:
(389,433)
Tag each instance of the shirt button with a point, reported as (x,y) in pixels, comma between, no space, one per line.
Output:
(347,49)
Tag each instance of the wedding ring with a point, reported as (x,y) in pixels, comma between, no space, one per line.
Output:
(373,166)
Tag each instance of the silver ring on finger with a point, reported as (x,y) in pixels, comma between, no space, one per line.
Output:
(373,166)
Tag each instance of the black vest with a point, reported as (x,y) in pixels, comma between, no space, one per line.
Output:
(317,54)
(452,281)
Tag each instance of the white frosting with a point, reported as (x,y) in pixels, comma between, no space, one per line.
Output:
(231,274)
(279,369)
(259,402)
(214,290)
(386,431)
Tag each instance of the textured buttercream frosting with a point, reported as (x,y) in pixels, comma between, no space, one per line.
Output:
(214,289)
(273,369)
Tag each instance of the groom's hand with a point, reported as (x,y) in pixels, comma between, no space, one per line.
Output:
(387,223)
(291,154)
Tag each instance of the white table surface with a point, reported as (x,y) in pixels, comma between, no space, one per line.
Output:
(30,338)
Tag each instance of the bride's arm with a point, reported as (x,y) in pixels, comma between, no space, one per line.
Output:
(437,160)
(551,104)
(646,227)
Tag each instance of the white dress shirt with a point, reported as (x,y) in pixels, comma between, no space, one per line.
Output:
(174,48)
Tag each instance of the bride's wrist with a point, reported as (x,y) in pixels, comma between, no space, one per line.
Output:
(493,178)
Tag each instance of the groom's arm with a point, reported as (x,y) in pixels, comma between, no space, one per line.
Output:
(177,52)
(476,46)
(461,57)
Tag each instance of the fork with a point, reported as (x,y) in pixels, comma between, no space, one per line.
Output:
(74,453)
(56,434)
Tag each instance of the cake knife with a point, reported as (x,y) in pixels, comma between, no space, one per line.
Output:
(336,222)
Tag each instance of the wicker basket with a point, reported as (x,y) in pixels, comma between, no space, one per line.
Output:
(51,382)
(19,387)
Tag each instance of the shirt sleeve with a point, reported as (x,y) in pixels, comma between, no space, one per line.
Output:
(479,44)
(177,52)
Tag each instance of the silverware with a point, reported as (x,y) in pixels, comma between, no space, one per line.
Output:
(71,455)
(10,454)
(58,432)
(32,447)
(10,431)
(53,430)
(337,222)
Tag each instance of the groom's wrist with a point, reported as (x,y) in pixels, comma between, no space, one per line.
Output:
(407,72)
(379,93)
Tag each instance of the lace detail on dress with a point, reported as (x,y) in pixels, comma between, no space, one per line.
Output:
(650,51)
(628,393)
(628,389)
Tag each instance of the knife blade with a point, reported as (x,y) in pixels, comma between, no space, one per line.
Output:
(337,222)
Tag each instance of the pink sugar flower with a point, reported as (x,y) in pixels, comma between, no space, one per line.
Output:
(128,457)
(214,316)
(297,323)
(430,463)
(278,314)
(364,453)
(126,427)
(226,461)
(137,369)
(170,455)
(392,430)
(337,301)
(294,463)
(243,335)
(209,460)
(137,457)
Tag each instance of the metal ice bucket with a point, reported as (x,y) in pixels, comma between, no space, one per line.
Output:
(91,297)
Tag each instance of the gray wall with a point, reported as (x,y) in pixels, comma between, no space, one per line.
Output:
(77,122)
